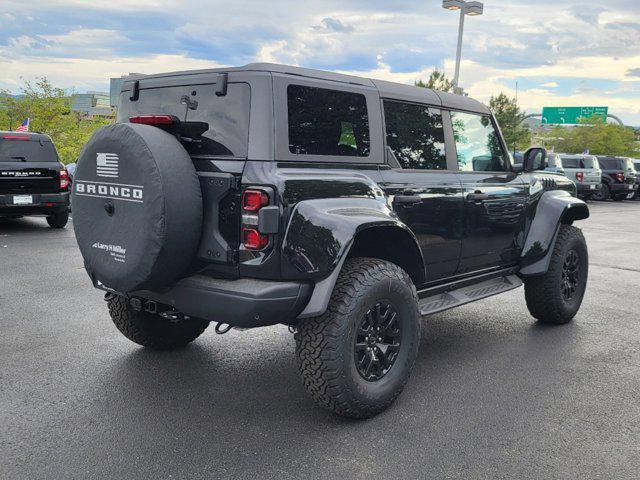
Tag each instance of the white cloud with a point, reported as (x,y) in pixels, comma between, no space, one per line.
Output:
(95,74)
(79,43)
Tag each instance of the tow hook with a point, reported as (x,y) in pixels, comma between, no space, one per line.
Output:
(222,328)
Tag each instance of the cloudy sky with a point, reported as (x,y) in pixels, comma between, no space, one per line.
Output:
(561,52)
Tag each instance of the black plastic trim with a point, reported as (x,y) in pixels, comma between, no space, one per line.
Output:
(244,303)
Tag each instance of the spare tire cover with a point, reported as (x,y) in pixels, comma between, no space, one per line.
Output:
(137,207)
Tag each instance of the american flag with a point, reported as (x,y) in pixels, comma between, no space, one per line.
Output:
(107,165)
(24,127)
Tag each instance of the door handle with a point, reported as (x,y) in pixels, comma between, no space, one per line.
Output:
(407,199)
(477,196)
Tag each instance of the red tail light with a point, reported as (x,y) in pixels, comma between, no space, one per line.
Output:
(254,200)
(64,179)
(253,239)
(153,119)
(620,177)
(579,176)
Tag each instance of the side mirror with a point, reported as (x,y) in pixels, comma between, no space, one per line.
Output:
(535,158)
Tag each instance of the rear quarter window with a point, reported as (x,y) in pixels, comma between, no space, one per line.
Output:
(327,122)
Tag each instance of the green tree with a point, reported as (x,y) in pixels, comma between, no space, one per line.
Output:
(596,136)
(436,81)
(509,117)
(49,111)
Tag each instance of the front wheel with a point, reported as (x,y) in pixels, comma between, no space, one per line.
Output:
(556,296)
(356,358)
(619,198)
(58,220)
(150,329)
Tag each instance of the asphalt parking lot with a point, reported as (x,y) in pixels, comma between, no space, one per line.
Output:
(493,394)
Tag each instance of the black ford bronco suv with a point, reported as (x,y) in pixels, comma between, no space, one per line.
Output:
(32,179)
(343,207)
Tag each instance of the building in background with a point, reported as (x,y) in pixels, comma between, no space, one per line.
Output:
(115,85)
(92,104)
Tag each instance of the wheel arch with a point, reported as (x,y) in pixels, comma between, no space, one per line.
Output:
(554,208)
(392,243)
(322,234)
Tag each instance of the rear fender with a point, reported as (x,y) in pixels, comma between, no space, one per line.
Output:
(321,233)
(554,209)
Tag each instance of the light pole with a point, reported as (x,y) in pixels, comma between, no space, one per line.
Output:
(466,8)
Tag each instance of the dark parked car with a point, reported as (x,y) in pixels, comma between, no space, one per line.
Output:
(343,207)
(32,179)
(618,178)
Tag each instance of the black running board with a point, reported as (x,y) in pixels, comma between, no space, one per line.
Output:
(470,293)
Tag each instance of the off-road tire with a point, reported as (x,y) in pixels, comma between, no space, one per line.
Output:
(325,345)
(603,194)
(544,292)
(151,330)
(58,220)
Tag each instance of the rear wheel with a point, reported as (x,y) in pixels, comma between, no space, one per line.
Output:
(556,296)
(151,330)
(603,193)
(58,220)
(356,358)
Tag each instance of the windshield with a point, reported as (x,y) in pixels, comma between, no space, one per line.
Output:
(27,151)
(226,117)
(579,162)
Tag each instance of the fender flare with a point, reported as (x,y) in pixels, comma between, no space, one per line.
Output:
(554,208)
(320,235)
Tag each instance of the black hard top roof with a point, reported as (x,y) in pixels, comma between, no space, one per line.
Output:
(386,89)
(32,136)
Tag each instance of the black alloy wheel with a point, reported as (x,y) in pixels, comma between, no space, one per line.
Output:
(570,275)
(377,341)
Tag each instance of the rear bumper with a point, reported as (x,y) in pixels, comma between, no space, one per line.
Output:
(623,187)
(588,187)
(243,303)
(42,204)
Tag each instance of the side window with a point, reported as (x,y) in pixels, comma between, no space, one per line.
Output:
(327,122)
(416,135)
(478,144)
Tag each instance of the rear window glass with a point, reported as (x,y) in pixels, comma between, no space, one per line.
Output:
(225,119)
(327,122)
(27,151)
(577,162)
(609,163)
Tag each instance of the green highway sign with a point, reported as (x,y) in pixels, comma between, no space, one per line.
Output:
(570,115)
